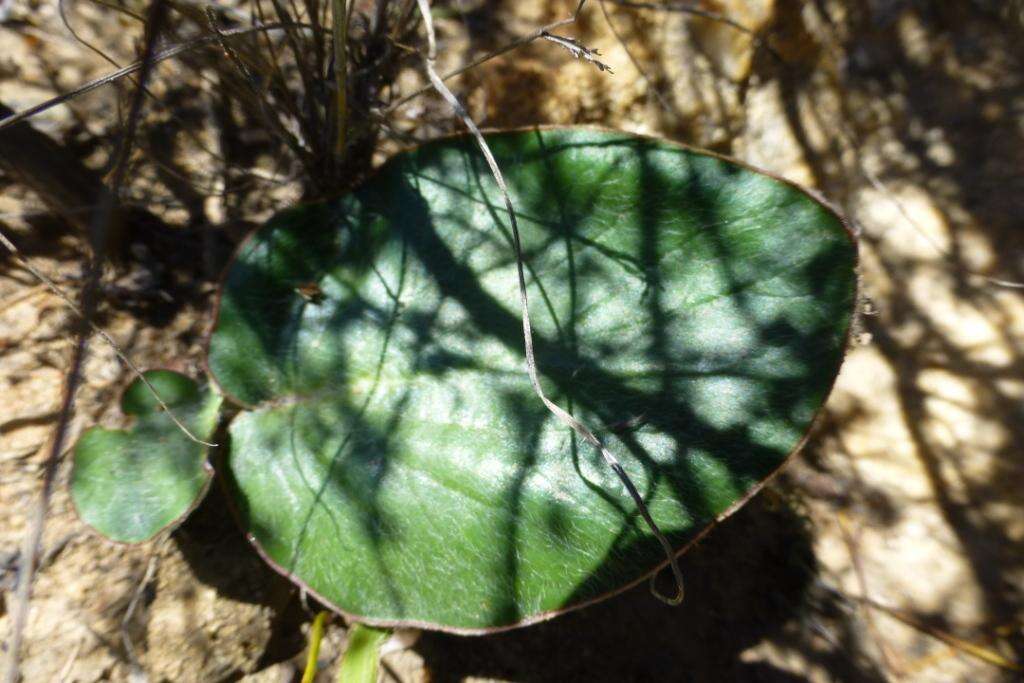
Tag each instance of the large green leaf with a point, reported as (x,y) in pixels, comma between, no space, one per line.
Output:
(130,484)
(395,460)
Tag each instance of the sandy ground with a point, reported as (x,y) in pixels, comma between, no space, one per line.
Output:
(891,549)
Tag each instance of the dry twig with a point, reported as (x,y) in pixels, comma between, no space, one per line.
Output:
(85,317)
(101,224)
(517,43)
(979,652)
(578,50)
(157,57)
(632,58)
(682,8)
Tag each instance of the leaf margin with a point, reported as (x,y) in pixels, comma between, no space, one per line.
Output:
(814,425)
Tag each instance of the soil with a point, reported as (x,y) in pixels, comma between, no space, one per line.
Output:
(892,547)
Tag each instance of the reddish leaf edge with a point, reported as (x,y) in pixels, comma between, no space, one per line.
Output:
(541,617)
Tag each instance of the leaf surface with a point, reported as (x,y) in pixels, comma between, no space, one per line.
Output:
(395,461)
(130,484)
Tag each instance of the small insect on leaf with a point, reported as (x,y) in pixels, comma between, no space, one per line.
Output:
(311,292)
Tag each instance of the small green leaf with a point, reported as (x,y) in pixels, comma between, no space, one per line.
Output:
(174,389)
(130,484)
(396,461)
(361,660)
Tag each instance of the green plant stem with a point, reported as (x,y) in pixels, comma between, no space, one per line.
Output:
(316,634)
(361,660)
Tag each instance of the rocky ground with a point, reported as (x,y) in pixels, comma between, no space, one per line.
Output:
(891,549)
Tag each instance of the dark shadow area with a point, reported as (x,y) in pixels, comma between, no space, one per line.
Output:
(220,557)
(949,107)
(749,580)
(217,550)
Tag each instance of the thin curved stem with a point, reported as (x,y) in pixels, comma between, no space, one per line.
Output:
(158,57)
(316,635)
(531,362)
